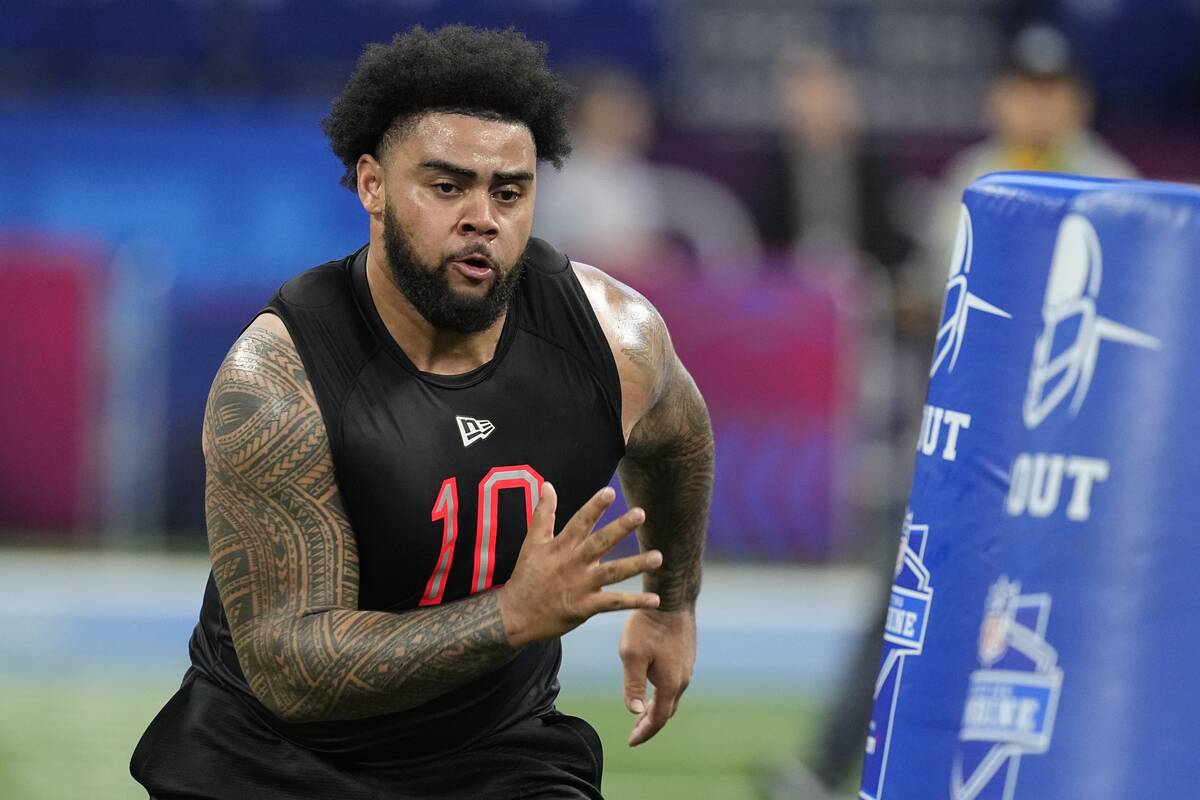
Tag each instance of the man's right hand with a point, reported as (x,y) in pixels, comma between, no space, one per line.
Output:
(558,581)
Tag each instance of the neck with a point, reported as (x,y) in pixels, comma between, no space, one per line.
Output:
(430,349)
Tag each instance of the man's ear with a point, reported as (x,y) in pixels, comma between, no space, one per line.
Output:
(370,183)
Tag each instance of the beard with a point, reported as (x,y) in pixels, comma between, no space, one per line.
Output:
(427,287)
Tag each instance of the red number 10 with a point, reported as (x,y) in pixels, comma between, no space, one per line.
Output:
(445,508)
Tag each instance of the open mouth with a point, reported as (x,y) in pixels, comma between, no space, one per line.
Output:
(476,267)
(476,261)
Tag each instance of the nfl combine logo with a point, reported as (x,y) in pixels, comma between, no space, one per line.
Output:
(904,637)
(1012,699)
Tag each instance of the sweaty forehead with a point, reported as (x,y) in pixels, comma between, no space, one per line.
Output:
(480,144)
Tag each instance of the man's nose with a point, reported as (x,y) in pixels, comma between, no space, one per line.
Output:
(477,215)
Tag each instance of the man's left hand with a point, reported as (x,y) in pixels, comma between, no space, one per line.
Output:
(658,646)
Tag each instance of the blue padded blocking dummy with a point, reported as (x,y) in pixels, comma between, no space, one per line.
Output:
(1043,637)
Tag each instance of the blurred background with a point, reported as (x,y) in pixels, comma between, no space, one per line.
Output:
(781,178)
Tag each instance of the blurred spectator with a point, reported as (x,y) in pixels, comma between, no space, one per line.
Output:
(828,200)
(612,207)
(1038,115)
(827,193)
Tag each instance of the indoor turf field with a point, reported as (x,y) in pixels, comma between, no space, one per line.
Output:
(93,645)
(67,743)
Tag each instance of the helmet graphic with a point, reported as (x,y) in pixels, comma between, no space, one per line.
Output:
(959,301)
(1065,353)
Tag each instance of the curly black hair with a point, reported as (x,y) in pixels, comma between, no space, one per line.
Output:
(490,74)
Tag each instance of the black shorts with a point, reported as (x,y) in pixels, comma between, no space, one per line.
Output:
(204,745)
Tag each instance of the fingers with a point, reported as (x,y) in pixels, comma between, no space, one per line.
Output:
(658,711)
(603,540)
(635,683)
(542,523)
(589,514)
(601,602)
(648,724)
(644,728)
(619,569)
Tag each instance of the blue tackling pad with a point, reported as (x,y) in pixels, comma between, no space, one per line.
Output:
(1043,638)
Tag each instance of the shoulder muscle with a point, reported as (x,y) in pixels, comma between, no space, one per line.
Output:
(279,538)
(638,337)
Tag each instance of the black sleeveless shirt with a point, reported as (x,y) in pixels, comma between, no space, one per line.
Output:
(439,475)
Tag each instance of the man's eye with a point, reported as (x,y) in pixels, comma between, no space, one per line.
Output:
(507,195)
(445,187)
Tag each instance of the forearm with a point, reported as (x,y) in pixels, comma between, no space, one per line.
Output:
(668,471)
(345,664)
(285,559)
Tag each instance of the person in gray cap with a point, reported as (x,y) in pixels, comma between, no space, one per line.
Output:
(1037,113)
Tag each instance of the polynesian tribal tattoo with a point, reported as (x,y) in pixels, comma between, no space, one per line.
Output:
(668,469)
(285,562)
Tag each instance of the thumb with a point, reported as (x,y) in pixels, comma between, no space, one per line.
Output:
(635,684)
(542,523)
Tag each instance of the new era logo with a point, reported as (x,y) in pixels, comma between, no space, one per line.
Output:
(472,430)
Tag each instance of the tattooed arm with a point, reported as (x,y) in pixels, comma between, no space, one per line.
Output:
(668,470)
(286,565)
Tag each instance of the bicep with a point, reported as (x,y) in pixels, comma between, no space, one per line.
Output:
(280,543)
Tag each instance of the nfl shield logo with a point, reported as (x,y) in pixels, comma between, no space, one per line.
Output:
(993,638)
(997,619)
